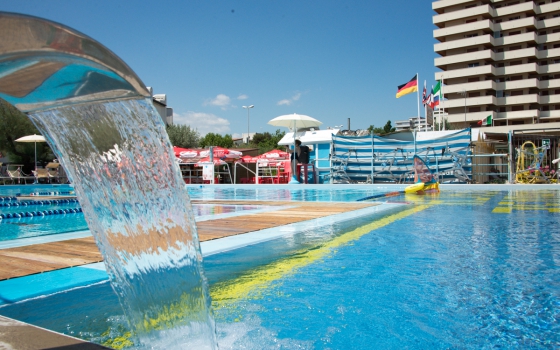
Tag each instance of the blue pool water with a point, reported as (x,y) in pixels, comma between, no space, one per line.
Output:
(466,270)
(44,225)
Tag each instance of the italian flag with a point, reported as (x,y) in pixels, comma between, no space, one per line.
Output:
(486,121)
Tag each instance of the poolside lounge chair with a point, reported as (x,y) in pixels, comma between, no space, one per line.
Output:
(42,174)
(52,169)
(17,176)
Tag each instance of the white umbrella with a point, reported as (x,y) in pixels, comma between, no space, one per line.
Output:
(295,121)
(33,138)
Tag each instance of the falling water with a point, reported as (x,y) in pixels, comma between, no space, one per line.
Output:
(122,166)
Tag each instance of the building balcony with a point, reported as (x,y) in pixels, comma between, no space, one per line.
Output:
(530,113)
(526,7)
(515,54)
(528,22)
(461,117)
(484,25)
(461,43)
(548,23)
(518,84)
(549,69)
(549,100)
(470,102)
(474,86)
(549,84)
(465,72)
(482,10)
(541,39)
(465,57)
(516,39)
(439,6)
(549,114)
(517,100)
(547,8)
(518,69)
(550,53)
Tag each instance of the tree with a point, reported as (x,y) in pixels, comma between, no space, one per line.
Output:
(266,141)
(13,125)
(388,128)
(183,136)
(376,131)
(212,139)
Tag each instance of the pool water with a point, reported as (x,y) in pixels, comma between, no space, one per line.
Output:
(44,225)
(467,270)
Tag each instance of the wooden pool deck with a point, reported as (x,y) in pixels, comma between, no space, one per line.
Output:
(28,260)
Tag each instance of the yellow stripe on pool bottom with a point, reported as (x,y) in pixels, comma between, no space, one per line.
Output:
(232,291)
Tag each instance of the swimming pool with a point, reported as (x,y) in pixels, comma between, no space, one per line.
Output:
(471,270)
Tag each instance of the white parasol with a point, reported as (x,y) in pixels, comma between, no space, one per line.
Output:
(33,138)
(295,121)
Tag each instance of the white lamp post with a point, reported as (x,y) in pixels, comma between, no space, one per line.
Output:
(248,108)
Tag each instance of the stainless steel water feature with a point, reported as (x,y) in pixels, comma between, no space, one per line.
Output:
(99,118)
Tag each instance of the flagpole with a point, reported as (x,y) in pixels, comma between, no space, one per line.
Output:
(418,98)
(438,121)
(441,98)
(426,116)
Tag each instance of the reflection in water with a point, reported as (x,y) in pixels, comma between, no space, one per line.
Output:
(123,170)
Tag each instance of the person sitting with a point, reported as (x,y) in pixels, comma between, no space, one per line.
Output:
(301,153)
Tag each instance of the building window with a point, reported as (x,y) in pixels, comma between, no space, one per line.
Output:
(543,63)
(474,109)
(516,77)
(471,35)
(516,108)
(499,64)
(501,49)
(515,63)
(543,32)
(471,20)
(515,33)
(474,94)
(502,109)
(544,93)
(497,34)
(475,64)
(513,48)
(473,49)
(556,92)
(500,93)
(470,6)
(517,93)
(471,80)
(545,108)
(514,18)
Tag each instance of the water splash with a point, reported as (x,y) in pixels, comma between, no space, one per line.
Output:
(120,161)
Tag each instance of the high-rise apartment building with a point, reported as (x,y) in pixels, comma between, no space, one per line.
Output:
(499,58)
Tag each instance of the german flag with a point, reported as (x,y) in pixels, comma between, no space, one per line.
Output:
(408,88)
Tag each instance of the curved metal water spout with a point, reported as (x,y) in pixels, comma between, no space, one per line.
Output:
(46,65)
(98,117)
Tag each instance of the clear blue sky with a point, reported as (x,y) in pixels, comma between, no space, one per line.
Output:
(331,60)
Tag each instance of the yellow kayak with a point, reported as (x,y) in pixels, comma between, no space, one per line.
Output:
(414,188)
